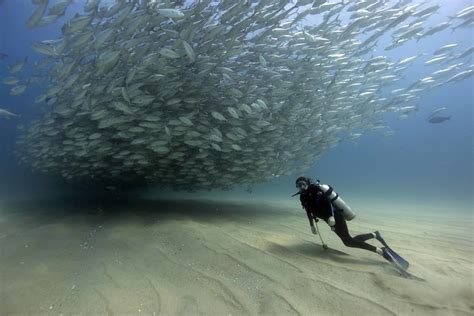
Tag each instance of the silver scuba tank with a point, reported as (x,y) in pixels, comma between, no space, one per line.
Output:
(337,201)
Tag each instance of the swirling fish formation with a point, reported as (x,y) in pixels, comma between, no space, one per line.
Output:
(208,94)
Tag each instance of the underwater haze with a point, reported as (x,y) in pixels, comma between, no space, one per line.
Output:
(149,152)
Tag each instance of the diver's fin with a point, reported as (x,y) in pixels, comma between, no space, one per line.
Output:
(395,259)
(391,255)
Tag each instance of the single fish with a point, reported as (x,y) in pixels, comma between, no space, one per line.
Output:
(437,111)
(438,119)
(18,66)
(6,114)
(171,13)
(37,15)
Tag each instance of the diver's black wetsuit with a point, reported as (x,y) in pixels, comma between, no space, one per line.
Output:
(318,205)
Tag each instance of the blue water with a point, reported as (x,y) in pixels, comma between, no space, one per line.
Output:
(420,162)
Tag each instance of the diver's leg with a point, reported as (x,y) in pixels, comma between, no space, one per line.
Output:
(364,237)
(386,252)
(379,237)
(343,233)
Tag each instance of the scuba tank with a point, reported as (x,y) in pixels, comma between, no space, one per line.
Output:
(337,201)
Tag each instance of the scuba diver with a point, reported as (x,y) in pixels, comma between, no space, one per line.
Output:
(320,201)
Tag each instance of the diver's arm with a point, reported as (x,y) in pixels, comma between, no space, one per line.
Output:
(331,220)
(311,218)
(326,198)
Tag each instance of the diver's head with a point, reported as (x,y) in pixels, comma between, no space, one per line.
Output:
(302,183)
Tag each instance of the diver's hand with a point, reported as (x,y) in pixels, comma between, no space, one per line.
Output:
(331,221)
(313,229)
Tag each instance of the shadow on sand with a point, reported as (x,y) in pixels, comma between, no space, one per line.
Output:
(315,250)
(311,250)
(143,212)
(139,211)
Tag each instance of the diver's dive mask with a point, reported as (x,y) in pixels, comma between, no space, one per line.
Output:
(302,185)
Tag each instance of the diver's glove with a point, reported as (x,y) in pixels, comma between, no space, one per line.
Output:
(313,229)
(332,223)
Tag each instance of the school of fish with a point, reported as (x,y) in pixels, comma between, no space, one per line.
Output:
(212,94)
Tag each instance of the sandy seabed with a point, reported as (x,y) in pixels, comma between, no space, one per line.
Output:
(202,257)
